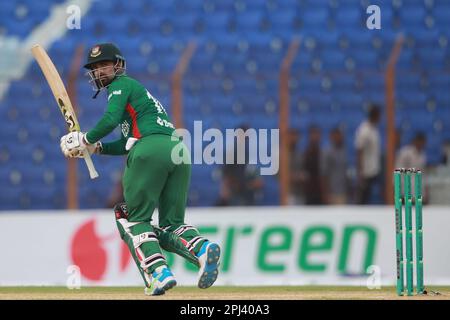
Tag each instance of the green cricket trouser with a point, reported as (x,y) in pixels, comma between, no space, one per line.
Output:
(152,179)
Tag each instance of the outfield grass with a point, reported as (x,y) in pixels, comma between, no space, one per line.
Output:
(218,293)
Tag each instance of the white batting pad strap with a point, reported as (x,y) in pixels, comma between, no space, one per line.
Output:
(126,224)
(144,237)
(182,229)
(191,244)
(148,280)
(155,258)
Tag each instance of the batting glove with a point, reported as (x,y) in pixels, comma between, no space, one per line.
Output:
(73,145)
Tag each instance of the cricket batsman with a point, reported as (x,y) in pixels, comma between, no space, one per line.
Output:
(150,179)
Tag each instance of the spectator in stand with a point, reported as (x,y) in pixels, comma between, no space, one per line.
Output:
(413,155)
(333,168)
(445,151)
(295,163)
(241,183)
(368,158)
(311,168)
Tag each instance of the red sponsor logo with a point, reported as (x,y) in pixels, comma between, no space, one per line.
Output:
(87,251)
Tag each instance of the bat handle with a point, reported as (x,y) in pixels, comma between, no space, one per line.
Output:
(92,172)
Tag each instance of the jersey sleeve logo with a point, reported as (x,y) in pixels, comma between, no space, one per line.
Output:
(115,92)
(125,128)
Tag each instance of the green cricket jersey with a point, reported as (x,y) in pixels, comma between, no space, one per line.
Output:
(135,110)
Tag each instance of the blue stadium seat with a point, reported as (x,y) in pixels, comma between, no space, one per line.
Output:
(387,16)
(310,83)
(302,63)
(345,82)
(441,12)
(282,19)
(432,58)
(150,25)
(324,39)
(349,17)
(425,37)
(442,97)
(365,59)
(332,60)
(216,22)
(10,197)
(348,101)
(406,59)
(373,82)
(8,10)
(359,38)
(103,6)
(409,83)
(412,15)
(248,21)
(315,17)
(441,81)
(412,99)
(314,4)
(185,23)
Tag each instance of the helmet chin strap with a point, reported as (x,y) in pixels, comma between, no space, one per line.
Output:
(100,87)
(96,94)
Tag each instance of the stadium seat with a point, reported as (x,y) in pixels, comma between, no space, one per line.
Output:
(314,17)
(432,58)
(248,21)
(348,16)
(412,15)
(441,13)
(283,20)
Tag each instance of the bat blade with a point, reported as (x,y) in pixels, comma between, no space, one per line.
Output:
(62,98)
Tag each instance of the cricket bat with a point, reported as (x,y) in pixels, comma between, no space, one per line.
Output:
(61,97)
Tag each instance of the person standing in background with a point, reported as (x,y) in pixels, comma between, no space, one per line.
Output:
(333,168)
(241,183)
(311,168)
(296,178)
(368,155)
(413,156)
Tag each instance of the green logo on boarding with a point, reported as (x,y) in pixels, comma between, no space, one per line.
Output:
(313,249)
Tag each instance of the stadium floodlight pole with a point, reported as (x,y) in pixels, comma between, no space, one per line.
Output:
(177,91)
(284,119)
(390,117)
